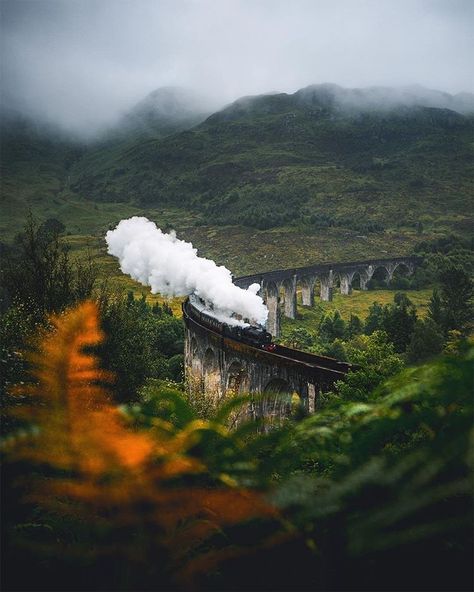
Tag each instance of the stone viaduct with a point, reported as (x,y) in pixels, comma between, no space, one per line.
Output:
(218,365)
(279,288)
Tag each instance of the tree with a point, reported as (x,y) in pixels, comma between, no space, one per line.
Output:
(456,343)
(375,351)
(377,360)
(38,274)
(435,308)
(457,292)
(332,327)
(399,321)
(374,320)
(52,226)
(141,342)
(354,326)
(426,341)
(336,349)
(300,338)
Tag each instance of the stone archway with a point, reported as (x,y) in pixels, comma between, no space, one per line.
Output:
(238,384)
(276,401)
(356,280)
(399,277)
(380,276)
(306,286)
(277,385)
(238,380)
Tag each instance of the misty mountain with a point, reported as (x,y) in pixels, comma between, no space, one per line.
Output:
(343,102)
(26,140)
(163,112)
(367,159)
(383,99)
(35,162)
(321,156)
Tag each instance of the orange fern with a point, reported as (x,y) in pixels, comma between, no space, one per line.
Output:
(108,470)
(79,428)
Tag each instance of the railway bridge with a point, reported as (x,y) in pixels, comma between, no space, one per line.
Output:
(218,364)
(279,288)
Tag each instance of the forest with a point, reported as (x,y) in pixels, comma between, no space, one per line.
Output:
(116,478)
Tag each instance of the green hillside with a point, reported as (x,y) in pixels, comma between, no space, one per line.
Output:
(282,159)
(268,182)
(35,162)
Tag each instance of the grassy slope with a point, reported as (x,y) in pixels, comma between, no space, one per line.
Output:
(357,303)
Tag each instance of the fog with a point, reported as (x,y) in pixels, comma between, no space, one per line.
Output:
(83,63)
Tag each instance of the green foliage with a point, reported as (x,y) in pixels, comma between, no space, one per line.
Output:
(142,342)
(377,359)
(17,328)
(373,484)
(375,351)
(374,320)
(36,271)
(397,483)
(426,341)
(354,326)
(335,349)
(399,321)
(332,327)
(456,295)
(300,338)
(441,253)
(456,344)
(435,309)
(37,278)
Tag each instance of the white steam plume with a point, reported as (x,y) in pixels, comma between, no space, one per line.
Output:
(172,267)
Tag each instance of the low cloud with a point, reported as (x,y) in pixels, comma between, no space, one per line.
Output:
(83,63)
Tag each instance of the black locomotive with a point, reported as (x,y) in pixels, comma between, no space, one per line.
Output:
(254,335)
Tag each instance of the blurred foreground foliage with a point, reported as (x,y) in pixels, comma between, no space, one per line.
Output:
(371,494)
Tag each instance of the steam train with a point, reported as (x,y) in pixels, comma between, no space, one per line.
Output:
(254,335)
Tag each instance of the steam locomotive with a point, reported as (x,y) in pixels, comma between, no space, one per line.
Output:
(254,335)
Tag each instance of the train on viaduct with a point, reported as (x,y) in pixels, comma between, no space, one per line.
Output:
(221,365)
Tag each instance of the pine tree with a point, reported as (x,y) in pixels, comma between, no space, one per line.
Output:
(354,326)
(399,321)
(332,327)
(374,320)
(457,292)
(426,341)
(435,309)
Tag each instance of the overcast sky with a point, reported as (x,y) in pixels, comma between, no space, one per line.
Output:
(83,62)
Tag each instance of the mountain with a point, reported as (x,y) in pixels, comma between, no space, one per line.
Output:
(365,159)
(164,111)
(344,102)
(35,162)
(384,99)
